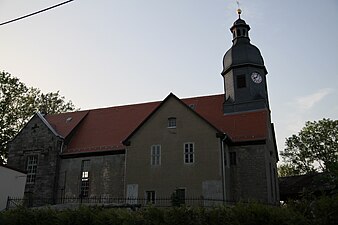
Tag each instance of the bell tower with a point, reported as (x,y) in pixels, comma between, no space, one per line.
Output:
(243,72)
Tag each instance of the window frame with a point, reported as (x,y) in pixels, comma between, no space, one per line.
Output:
(232,158)
(189,156)
(150,199)
(172,122)
(241,81)
(31,168)
(155,155)
(85,180)
(179,197)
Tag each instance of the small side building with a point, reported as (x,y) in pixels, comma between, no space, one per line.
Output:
(13,184)
(299,186)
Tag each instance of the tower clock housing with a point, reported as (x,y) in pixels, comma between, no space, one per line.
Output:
(244,73)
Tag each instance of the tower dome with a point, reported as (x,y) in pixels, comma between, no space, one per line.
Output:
(242,52)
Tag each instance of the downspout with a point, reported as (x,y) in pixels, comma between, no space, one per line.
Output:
(227,170)
(62,144)
(126,144)
(125,174)
(224,137)
(57,172)
(63,192)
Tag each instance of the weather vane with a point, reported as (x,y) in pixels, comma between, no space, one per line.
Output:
(239,11)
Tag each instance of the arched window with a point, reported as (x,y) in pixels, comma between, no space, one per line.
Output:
(239,33)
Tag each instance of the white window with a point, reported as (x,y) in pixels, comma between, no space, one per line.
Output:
(150,197)
(155,155)
(189,152)
(172,122)
(32,164)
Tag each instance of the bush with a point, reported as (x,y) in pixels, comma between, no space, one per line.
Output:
(321,210)
(305,212)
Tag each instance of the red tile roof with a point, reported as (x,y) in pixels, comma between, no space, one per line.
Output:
(105,129)
(245,126)
(64,123)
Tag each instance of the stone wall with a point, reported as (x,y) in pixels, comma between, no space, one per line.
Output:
(37,139)
(254,177)
(248,178)
(106,176)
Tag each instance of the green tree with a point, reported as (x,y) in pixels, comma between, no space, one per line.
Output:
(18,103)
(313,149)
(287,169)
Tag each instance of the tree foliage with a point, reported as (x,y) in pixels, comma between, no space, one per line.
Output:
(18,103)
(287,169)
(313,149)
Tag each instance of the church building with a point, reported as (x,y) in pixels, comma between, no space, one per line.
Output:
(219,147)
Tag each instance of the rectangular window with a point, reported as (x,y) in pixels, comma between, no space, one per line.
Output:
(189,152)
(150,197)
(32,164)
(241,81)
(180,194)
(233,160)
(155,155)
(172,122)
(85,178)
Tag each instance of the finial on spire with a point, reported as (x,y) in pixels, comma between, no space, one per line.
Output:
(239,11)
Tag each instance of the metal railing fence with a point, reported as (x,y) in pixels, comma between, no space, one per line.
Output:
(119,202)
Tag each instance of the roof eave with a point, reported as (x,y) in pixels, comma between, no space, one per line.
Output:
(42,118)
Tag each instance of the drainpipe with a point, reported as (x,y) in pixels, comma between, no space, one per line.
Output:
(62,144)
(223,138)
(227,169)
(57,172)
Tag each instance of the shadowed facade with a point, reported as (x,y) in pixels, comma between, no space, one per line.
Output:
(211,147)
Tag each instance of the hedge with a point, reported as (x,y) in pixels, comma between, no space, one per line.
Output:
(321,211)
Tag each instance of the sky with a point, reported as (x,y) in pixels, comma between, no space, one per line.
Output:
(115,52)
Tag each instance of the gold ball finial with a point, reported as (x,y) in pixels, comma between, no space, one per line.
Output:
(239,12)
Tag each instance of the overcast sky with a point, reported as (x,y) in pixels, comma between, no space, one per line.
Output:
(115,52)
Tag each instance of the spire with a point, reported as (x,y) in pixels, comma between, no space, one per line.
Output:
(240,30)
(243,72)
(239,11)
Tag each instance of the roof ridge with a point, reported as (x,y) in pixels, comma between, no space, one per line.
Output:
(201,96)
(134,104)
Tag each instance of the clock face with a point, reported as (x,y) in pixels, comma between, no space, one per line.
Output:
(256,77)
